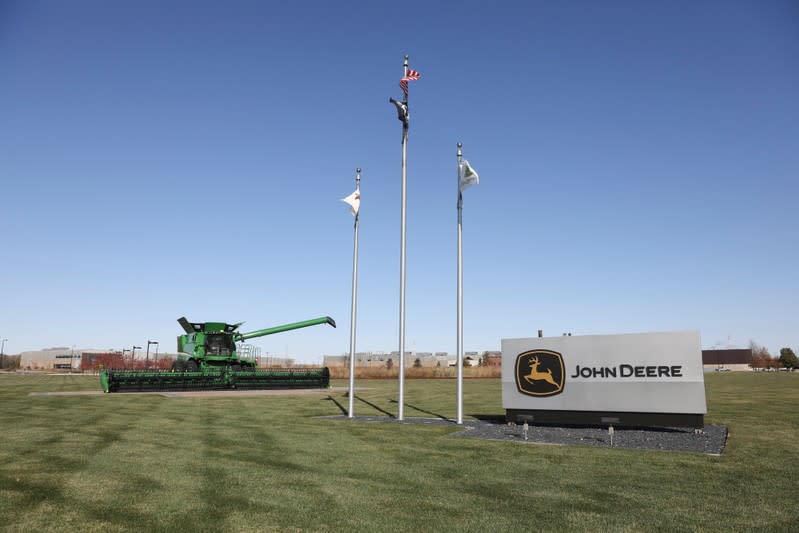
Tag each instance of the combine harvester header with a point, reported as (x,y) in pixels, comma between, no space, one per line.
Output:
(207,360)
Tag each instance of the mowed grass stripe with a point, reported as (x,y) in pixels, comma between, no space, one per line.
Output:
(239,464)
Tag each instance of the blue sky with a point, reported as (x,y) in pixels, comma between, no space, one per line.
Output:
(638,165)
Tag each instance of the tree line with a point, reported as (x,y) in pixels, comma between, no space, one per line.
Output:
(761,358)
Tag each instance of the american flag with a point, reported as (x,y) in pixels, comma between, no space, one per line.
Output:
(411,75)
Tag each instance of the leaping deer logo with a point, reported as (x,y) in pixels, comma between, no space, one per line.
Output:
(536,375)
(540,373)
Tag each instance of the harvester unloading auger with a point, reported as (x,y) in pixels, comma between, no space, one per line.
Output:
(207,360)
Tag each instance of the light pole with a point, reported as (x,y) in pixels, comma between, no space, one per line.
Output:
(147,358)
(133,352)
(2,353)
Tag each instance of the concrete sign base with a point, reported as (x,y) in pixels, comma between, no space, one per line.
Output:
(600,418)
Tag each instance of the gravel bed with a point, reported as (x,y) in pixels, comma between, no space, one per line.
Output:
(710,440)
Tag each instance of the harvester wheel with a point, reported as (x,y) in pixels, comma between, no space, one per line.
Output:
(192,366)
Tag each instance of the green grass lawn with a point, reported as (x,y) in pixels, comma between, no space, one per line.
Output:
(145,463)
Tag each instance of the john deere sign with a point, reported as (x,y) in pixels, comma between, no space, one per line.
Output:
(650,379)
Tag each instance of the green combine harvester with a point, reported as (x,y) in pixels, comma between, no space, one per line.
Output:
(207,360)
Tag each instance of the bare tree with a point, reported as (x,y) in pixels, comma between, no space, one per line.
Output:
(760,356)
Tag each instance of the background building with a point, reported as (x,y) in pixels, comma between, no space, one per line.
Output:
(730,359)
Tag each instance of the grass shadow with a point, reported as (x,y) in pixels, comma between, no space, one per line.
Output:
(341,407)
(431,413)
(375,407)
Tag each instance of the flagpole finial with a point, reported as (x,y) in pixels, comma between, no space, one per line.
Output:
(460,145)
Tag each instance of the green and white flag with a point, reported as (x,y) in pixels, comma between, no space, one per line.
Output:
(466,176)
(354,201)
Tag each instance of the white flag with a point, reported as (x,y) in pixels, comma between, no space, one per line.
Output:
(466,176)
(354,201)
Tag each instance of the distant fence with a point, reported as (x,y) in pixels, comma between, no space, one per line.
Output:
(342,372)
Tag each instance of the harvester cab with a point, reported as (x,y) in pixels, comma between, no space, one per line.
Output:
(208,344)
(207,360)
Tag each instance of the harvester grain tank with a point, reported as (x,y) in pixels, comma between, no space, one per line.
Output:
(208,360)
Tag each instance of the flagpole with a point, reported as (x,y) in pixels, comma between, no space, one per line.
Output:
(459,341)
(351,409)
(405,127)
